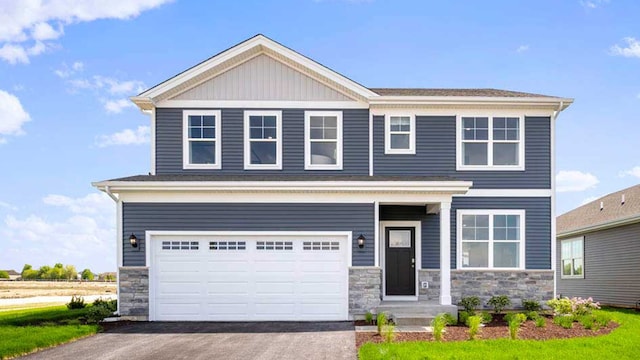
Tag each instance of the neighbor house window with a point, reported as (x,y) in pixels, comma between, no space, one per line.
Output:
(491,239)
(323,140)
(263,140)
(201,139)
(400,134)
(490,143)
(573,258)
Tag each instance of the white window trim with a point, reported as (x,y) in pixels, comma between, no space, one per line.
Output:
(387,135)
(247,140)
(307,140)
(185,139)
(562,275)
(523,222)
(490,167)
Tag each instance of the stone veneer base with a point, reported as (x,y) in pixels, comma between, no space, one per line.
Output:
(134,292)
(365,288)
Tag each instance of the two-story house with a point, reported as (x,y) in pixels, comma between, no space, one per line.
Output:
(282,190)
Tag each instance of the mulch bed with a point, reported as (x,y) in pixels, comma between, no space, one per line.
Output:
(497,329)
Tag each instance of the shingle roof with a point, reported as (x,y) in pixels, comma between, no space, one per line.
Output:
(283,178)
(453,92)
(613,209)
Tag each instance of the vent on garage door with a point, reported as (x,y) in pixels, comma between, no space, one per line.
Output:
(274,245)
(321,245)
(180,245)
(227,245)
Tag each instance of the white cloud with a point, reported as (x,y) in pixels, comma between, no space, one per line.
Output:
(589,199)
(592,4)
(522,48)
(632,48)
(25,22)
(108,89)
(139,136)
(115,86)
(574,181)
(65,71)
(82,235)
(6,205)
(116,106)
(635,171)
(12,115)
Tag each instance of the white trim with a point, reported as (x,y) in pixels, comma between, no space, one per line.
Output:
(186,164)
(376,233)
(307,140)
(261,104)
(247,140)
(119,247)
(569,277)
(507,193)
(445,253)
(412,135)
(491,241)
(490,142)
(152,140)
(417,101)
(554,230)
(417,225)
(370,143)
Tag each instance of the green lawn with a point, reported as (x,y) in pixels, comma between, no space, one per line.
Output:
(23,331)
(622,343)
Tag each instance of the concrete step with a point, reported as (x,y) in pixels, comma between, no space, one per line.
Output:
(411,320)
(415,308)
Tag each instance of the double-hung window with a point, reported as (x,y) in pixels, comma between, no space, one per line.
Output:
(323,140)
(572,258)
(201,139)
(263,140)
(491,239)
(400,134)
(490,143)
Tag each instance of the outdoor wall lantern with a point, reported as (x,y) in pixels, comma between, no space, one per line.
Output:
(133,240)
(361,240)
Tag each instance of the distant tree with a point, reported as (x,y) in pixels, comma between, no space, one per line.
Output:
(4,274)
(70,272)
(29,274)
(87,275)
(56,273)
(59,266)
(25,268)
(44,272)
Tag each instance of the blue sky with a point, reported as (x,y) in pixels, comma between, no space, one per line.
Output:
(66,71)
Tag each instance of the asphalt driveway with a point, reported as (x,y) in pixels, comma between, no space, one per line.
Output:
(205,340)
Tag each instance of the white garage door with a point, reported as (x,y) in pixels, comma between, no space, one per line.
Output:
(249,277)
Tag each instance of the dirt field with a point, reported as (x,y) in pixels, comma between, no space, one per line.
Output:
(26,289)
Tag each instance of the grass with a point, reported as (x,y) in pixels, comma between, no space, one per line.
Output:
(24,331)
(622,343)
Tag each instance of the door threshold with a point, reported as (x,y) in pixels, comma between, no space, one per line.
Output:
(399,298)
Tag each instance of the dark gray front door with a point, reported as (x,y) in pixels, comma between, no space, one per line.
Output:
(400,249)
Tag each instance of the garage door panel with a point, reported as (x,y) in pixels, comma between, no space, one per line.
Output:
(226,310)
(228,288)
(177,309)
(180,288)
(266,309)
(271,287)
(321,288)
(226,266)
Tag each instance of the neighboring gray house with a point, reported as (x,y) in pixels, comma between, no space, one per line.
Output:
(282,190)
(599,249)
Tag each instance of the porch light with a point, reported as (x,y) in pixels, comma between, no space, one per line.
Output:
(361,240)
(133,240)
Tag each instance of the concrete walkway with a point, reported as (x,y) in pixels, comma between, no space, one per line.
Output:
(200,340)
(52,299)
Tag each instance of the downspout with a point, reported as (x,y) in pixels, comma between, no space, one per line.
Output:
(108,192)
(553,198)
(119,250)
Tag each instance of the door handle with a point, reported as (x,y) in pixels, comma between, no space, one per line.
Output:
(413,260)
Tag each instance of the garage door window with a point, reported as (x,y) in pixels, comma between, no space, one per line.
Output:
(274,245)
(227,245)
(321,245)
(179,245)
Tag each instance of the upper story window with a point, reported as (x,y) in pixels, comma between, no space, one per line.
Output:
(490,143)
(263,140)
(400,134)
(201,139)
(323,140)
(572,258)
(491,239)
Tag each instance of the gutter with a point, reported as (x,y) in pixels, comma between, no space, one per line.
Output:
(107,190)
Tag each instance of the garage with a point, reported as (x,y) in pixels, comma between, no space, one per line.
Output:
(292,276)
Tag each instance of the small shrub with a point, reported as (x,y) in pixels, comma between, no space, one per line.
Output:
(531,305)
(95,314)
(580,306)
(560,306)
(532,315)
(474,326)
(368,317)
(566,321)
(540,322)
(450,319)
(470,304)
(381,320)
(602,319)
(515,322)
(438,324)
(109,304)
(389,333)
(499,302)
(77,302)
(588,322)
(463,317)
(486,317)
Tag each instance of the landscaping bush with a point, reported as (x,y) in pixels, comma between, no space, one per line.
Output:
(582,306)
(381,320)
(499,302)
(451,320)
(560,306)
(532,315)
(389,331)
(602,319)
(438,324)
(474,326)
(566,321)
(588,322)
(95,314)
(109,304)
(470,304)
(531,305)
(515,322)
(77,302)
(486,317)
(463,317)
(540,322)
(368,317)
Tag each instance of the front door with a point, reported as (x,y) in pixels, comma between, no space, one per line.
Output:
(400,272)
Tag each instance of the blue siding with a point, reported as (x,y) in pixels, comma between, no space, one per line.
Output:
(538,225)
(430,229)
(355,143)
(436,155)
(140,217)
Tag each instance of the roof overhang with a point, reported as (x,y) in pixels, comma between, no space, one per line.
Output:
(608,225)
(556,104)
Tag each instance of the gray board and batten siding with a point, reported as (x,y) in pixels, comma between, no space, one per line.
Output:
(436,155)
(355,143)
(141,217)
(611,267)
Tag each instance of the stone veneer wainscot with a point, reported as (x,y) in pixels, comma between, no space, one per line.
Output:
(365,286)
(134,292)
